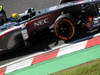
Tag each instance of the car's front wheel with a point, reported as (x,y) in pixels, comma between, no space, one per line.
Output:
(13,41)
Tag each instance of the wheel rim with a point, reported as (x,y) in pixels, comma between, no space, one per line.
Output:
(64,29)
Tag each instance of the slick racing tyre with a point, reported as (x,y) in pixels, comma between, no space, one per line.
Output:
(64,27)
(13,41)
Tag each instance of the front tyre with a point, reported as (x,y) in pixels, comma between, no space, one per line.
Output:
(13,41)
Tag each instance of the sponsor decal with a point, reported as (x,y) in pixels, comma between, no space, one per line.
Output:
(41,22)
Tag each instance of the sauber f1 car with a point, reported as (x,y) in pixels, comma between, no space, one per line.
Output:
(68,20)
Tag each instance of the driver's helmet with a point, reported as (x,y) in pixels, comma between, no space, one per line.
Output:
(1,8)
(15,16)
(3,17)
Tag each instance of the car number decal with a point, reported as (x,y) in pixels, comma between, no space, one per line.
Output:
(24,32)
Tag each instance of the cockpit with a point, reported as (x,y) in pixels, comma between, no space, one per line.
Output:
(28,14)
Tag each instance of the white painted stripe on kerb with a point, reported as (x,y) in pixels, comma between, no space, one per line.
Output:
(96,35)
(72,48)
(19,65)
(61,46)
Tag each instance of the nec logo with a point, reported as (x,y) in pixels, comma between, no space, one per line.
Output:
(41,22)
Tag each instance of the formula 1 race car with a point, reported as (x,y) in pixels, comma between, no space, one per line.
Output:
(67,20)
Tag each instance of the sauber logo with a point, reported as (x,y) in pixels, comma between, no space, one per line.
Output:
(41,22)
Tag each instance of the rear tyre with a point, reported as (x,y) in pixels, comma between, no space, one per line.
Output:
(65,27)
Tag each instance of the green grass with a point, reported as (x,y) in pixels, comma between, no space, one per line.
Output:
(90,68)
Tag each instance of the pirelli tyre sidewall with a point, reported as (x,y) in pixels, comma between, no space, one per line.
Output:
(13,41)
(64,27)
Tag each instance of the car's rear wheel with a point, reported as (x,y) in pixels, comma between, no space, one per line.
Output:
(65,27)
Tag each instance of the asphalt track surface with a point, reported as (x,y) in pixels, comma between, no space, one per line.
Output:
(21,5)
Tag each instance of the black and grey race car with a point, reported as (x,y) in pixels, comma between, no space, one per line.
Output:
(68,20)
